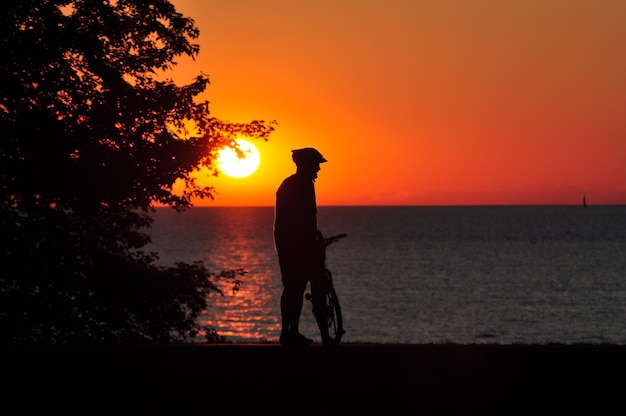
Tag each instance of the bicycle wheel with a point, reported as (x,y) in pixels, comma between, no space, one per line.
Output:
(333,312)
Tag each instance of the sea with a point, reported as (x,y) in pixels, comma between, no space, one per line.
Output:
(422,274)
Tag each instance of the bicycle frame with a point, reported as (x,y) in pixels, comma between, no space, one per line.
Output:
(325,303)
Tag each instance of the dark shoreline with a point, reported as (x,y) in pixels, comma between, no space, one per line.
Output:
(476,378)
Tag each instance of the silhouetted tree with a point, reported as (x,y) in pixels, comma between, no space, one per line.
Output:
(91,140)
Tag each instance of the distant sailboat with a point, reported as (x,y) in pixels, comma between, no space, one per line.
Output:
(584,201)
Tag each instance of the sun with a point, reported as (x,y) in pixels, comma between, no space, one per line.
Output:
(236,167)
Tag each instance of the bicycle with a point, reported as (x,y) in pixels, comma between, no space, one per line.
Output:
(330,314)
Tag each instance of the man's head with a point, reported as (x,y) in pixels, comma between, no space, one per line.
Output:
(308,161)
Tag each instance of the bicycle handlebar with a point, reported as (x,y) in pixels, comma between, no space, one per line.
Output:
(332,239)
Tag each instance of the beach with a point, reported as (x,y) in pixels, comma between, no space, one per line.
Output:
(439,378)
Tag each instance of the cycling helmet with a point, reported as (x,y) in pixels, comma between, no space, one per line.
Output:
(307,155)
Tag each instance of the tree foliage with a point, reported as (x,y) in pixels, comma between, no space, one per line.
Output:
(91,140)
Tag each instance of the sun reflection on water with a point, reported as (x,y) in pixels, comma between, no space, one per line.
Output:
(227,239)
(249,314)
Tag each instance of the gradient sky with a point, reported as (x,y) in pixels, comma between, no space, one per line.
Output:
(430,102)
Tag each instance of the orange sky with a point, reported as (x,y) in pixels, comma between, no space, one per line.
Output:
(423,102)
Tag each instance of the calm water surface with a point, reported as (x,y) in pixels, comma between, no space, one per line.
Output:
(520,274)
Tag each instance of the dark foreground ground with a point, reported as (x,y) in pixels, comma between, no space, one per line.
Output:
(269,379)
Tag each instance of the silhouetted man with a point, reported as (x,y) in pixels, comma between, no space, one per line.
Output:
(298,242)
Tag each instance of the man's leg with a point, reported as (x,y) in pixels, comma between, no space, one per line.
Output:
(291,302)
